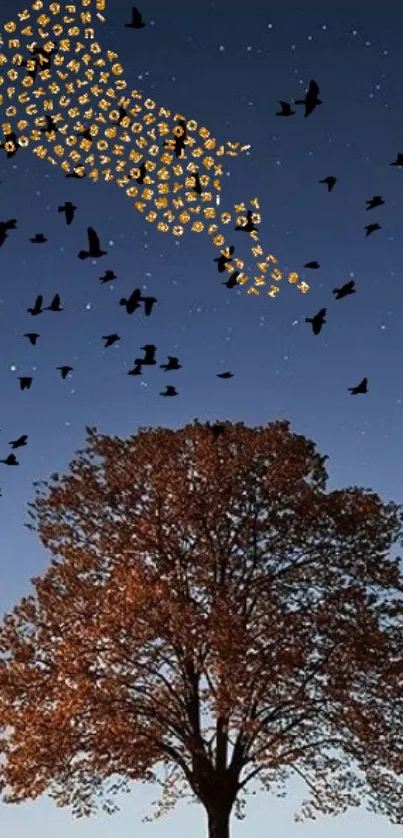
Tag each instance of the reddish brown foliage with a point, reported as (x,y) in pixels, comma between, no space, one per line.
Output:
(207,580)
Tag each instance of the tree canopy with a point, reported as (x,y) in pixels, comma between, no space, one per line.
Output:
(205,574)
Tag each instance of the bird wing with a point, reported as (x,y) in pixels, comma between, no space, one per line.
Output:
(38,301)
(136,15)
(321,313)
(56,300)
(283,104)
(135,296)
(93,239)
(350,284)
(313,88)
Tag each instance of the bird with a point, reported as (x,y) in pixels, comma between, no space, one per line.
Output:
(398,161)
(25,381)
(65,370)
(122,114)
(311,99)
(330,181)
(133,302)
(39,239)
(76,173)
(136,369)
(345,290)
(17,443)
(10,137)
(68,208)
(11,460)
(148,304)
(312,265)
(50,125)
(376,201)
(37,308)
(172,364)
(197,187)
(217,429)
(232,280)
(32,336)
(108,275)
(55,304)
(86,134)
(5,226)
(249,226)
(110,339)
(225,375)
(223,260)
(285,109)
(149,359)
(94,251)
(137,20)
(362,387)
(317,321)
(170,391)
(370,228)
(143,173)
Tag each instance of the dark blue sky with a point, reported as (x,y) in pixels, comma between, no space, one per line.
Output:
(225,64)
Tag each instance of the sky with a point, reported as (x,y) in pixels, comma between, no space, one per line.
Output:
(225,64)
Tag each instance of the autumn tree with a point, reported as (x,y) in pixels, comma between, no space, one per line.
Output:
(210,609)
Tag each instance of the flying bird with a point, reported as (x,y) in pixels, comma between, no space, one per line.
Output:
(68,208)
(108,275)
(345,290)
(312,265)
(65,370)
(148,304)
(32,336)
(317,321)
(376,201)
(143,173)
(330,181)
(122,114)
(11,460)
(37,308)
(38,239)
(110,339)
(25,381)
(136,369)
(170,391)
(172,364)
(197,187)
(137,20)
(249,226)
(311,99)
(5,226)
(232,281)
(55,304)
(133,302)
(149,351)
(86,134)
(398,161)
(224,259)
(225,375)
(370,228)
(17,443)
(50,125)
(362,387)
(285,109)
(94,251)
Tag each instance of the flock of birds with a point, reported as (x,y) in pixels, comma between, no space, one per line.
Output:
(134,301)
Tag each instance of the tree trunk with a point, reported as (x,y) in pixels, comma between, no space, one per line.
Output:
(218,821)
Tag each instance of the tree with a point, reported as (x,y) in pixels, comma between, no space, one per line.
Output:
(207,575)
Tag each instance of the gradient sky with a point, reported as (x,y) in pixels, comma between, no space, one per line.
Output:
(227,69)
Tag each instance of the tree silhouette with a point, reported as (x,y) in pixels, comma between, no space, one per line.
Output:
(207,576)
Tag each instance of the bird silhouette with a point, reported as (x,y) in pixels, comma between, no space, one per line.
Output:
(25,381)
(232,280)
(133,302)
(68,208)
(330,181)
(5,226)
(217,430)
(86,134)
(122,115)
(143,173)
(172,364)
(370,228)
(311,99)
(77,173)
(108,276)
(17,443)
(249,226)
(398,161)
(10,137)
(225,375)
(55,304)
(94,251)
(50,125)
(376,201)
(110,339)
(224,259)
(312,265)
(285,109)
(197,187)
(362,387)
(136,369)
(32,336)
(148,304)
(65,370)
(345,290)
(37,308)
(137,20)
(38,239)
(149,352)
(317,321)
(169,391)
(11,460)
